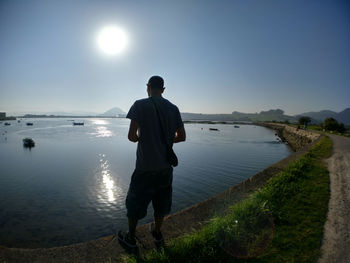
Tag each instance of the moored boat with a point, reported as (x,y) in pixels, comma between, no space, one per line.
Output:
(78,123)
(213,129)
(28,142)
(29,124)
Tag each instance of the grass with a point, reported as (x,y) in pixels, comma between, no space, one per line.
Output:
(282,222)
(319,128)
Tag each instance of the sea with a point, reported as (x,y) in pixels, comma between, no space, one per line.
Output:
(71,186)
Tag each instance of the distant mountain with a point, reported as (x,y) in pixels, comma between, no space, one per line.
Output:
(271,115)
(57,113)
(344,116)
(114,112)
(73,113)
(320,116)
(274,115)
(272,112)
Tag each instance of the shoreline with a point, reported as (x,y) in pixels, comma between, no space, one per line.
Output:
(184,221)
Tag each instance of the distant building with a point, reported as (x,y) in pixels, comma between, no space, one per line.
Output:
(3,117)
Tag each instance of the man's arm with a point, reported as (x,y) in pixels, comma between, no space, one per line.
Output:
(180,135)
(132,135)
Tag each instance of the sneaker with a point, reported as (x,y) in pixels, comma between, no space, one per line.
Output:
(157,237)
(126,240)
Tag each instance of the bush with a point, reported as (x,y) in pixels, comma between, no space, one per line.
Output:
(330,124)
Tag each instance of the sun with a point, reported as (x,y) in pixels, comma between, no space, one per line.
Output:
(112,40)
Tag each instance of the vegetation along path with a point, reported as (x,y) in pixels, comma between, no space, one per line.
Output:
(336,241)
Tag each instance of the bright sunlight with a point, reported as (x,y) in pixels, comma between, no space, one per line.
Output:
(112,40)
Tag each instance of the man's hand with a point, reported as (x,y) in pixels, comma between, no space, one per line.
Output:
(132,135)
(180,135)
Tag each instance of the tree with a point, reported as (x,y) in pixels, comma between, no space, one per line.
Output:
(341,128)
(331,124)
(304,120)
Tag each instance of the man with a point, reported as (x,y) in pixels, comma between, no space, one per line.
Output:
(155,122)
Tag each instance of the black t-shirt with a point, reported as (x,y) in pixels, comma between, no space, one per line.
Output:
(151,149)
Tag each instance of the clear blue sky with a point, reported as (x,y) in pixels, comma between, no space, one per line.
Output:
(215,56)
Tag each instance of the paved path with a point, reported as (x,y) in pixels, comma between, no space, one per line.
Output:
(336,240)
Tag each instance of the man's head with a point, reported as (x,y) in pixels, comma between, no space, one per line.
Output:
(155,86)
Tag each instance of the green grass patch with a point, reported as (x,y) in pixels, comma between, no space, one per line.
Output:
(282,222)
(319,128)
(315,127)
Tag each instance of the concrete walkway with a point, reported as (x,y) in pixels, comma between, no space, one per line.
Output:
(336,241)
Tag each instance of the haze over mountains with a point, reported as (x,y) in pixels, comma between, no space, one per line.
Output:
(270,115)
(343,116)
(114,112)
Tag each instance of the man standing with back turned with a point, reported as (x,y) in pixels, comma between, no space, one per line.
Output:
(155,124)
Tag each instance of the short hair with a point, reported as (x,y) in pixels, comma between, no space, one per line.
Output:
(156,82)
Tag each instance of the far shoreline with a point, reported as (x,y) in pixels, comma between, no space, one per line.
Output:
(218,122)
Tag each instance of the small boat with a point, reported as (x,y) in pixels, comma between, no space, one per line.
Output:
(78,123)
(28,142)
(213,129)
(29,124)
(236,126)
(7,123)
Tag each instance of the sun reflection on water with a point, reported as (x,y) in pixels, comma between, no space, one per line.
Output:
(108,186)
(100,122)
(101,129)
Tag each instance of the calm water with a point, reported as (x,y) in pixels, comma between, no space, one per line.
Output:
(71,186)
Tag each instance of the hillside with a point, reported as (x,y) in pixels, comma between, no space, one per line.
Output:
(320,116)
(271,115)
(344,116)
(114,112)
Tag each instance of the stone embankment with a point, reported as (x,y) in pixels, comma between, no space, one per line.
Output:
(296,138)
(107,249)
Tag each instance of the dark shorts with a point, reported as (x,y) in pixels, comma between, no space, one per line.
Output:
(147,186)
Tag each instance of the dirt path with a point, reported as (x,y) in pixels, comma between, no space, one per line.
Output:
(336,240)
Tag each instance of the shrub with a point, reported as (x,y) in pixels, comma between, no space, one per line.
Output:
(330,124)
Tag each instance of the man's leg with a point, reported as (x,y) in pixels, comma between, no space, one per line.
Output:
(137,199)
(128,239)
(158,221)
(136,202)
(161,202)
(132,226)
